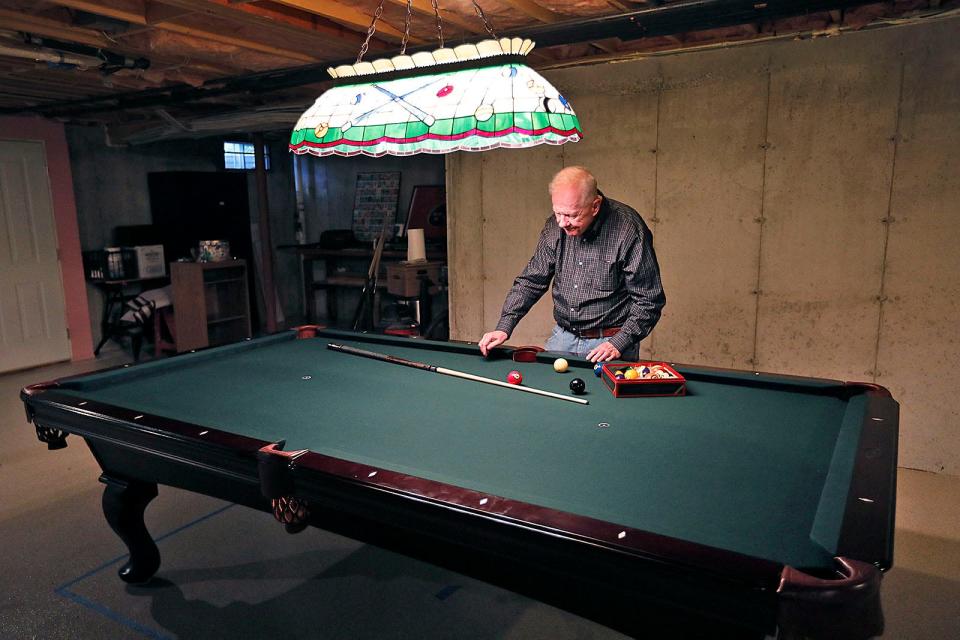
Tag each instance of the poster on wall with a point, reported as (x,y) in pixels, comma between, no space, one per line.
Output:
(375,203)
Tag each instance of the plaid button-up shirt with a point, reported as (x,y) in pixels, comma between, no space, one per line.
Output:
(608,277)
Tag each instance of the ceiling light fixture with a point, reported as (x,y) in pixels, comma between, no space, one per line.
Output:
(473,97)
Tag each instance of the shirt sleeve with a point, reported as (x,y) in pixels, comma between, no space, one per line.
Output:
(641,274)
(533,282)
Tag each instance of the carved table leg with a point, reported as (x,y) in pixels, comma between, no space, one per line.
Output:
(124,502)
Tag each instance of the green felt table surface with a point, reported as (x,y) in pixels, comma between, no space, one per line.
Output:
(761,471)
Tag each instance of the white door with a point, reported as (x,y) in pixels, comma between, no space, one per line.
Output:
(33,326)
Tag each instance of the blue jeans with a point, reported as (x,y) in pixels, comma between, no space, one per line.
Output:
(562,340)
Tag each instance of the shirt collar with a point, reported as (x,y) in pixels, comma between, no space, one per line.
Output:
(602,215)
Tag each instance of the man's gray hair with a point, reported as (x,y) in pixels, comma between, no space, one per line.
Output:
(579,177)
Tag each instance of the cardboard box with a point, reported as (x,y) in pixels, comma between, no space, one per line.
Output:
(404,278)
(149,261)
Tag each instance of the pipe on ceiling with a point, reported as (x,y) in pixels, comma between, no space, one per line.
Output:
(38,55)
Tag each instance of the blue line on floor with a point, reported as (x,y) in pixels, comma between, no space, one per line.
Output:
(447,591)
(64,589)
(112,615)
(195,522)
(109,563)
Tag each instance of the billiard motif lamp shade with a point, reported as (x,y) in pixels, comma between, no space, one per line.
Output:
(473,97)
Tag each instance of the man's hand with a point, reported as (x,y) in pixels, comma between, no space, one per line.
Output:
(491,340)
(603,352)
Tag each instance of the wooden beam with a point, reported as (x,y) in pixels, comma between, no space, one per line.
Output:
(346,15)
(135,12)
(25,77)
(26,91)
(127,10)
(244,43)
(426,8)
(61,31)
(606,47)
(315,31)
(163,15)
(17,21)
(308,23)
(534,10)
(83,83)
(157,13)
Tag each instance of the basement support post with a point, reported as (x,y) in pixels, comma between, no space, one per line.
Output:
(266,245)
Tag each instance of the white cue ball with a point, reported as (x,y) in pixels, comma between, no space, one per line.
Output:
(560,365)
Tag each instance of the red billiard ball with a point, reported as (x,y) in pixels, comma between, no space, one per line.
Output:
(514,377)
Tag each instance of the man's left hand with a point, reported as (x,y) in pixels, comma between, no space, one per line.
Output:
(603,352)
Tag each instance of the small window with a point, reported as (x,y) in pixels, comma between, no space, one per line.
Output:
(240,155)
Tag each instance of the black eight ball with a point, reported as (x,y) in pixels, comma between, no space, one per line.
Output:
(578,386)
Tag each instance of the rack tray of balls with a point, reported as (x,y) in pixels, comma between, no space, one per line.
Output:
(641,379)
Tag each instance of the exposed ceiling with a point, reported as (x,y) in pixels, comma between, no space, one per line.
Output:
(151,69)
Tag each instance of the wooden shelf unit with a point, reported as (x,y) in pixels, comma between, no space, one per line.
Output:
(210,303)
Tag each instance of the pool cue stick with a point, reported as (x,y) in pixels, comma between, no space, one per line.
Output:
(369,294)
(448,372)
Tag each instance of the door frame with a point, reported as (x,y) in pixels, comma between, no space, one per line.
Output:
(52,136)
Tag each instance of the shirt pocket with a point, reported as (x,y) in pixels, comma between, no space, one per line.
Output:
(606,274)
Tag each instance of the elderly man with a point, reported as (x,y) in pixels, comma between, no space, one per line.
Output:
(607,295)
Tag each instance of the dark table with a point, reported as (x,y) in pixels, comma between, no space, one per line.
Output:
(355,260)
(754,501)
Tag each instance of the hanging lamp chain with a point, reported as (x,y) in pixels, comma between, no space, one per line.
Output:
(436,12)
(483,17)
(406,28)
(370,31)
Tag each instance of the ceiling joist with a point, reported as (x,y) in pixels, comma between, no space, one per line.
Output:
(345,15)
(534,10)
(140,12)
(15,21)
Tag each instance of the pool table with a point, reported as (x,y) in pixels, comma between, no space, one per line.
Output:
(754,503)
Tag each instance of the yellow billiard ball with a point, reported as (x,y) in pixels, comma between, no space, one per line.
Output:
(560,365)
(631,374)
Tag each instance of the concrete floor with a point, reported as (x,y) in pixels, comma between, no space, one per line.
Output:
(231,572)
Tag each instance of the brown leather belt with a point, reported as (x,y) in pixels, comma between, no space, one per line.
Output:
(595,333)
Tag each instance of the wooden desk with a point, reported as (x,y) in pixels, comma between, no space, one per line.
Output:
(354,278)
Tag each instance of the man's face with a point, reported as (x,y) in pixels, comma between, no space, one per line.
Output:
(573,215)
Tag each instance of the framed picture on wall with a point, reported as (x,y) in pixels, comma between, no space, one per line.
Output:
(428,211)
(375,203)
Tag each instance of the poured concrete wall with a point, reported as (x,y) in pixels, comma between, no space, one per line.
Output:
(804,201)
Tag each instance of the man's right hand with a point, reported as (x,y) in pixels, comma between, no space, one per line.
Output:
(491,340)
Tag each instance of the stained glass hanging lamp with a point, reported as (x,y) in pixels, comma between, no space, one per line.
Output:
(473,97)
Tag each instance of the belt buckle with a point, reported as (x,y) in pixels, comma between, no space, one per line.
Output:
(583,333)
